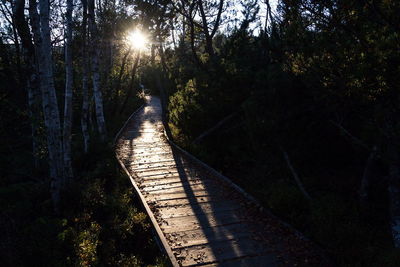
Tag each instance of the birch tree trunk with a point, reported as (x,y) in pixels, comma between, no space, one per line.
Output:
(68,95)
(85,75)
(98,98)
(183,37)
(41,29)
(32,81)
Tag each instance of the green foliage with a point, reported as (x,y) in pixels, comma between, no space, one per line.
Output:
(99,226)
(106,228)
(320,65)
(186,112)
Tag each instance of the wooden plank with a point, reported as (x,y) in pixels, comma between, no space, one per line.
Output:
(174,183)
(197,208)
(181,188)
(160,175)
(149,146)
(173,180)
(141,131)
(166,197)
(119,134)
(153,149)
(180,202)
(144,172)
(220,251)
(211,235)
(258,260)
(197,213)
(199,221)
(164,173)
(147,155)
(148,162)
(148,210)
(160,167)
(186,192)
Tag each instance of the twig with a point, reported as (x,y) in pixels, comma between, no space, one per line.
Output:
(215,127)
(295,175)
(355,139)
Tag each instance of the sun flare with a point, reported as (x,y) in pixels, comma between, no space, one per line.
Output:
(137,39)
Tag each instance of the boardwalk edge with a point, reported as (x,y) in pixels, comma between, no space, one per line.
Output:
(153,220)
(220,176)
(240,190)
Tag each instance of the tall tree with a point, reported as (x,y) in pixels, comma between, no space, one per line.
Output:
(41,30)
(131,82)
(31,80)
(98,98)
(203,17)
(67,127)
(210,12)
(85,77)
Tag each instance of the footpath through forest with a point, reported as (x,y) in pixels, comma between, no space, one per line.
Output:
(201,219)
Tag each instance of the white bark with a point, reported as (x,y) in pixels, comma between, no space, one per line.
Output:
(32,85)
(49,100)
(67,127)
(98,98)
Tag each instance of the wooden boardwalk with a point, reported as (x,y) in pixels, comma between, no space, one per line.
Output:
(200,219)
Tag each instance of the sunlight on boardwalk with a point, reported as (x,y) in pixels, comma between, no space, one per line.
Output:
(203,220)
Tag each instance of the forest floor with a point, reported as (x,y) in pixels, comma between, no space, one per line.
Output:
(201,219)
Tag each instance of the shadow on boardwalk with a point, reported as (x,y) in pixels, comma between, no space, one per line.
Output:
(203,220)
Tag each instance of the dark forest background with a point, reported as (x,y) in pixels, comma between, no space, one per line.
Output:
(297,104)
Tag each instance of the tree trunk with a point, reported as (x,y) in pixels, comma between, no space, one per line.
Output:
(67,127)
(193,37)
(210,35)
(107,63)
(183,37)
(153,54)
(49,99)
(11,20)
(92,124)
(173,33)
(118,84)
(131,84)
(32,82)
(98,98)
(268,16)
(162,58)
(85,75)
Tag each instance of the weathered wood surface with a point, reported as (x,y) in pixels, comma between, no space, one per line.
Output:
(201,220)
